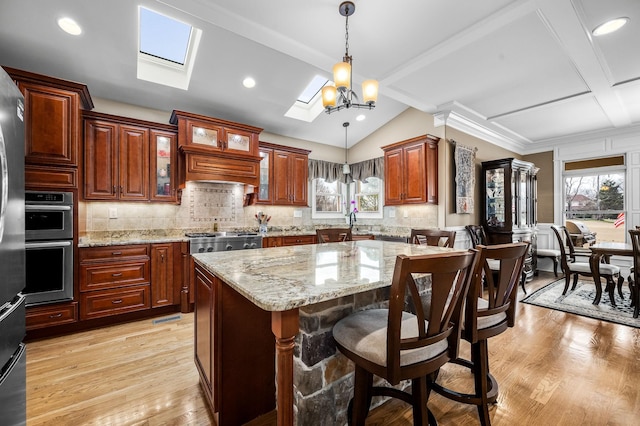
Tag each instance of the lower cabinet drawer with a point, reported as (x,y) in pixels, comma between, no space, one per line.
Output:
(105,303)
(48,316)
(96,277)
(295,240)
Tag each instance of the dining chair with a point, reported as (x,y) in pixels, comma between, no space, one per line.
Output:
(552,254)
(635,273)
(487,313)
(397,345)
(433,237)
(333,235)
(571,267)
(479,236)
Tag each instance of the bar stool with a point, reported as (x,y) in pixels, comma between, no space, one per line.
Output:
(433,237)
(333,235)
(487,314)
(397,345)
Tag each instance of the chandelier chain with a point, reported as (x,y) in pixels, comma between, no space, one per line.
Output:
(346,37)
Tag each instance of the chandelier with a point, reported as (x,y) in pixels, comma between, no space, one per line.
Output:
(340,96)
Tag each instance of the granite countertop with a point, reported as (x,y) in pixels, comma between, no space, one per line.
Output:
(282,278)
(111,238)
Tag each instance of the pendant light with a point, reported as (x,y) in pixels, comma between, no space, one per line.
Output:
(345,167)
(335,98)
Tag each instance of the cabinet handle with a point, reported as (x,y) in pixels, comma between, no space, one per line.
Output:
(115,302)
(116,253)
(58,315)
(120,189)
(162,257)
(119,274)
(114,189)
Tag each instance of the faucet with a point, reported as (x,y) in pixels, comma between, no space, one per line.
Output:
(352,219)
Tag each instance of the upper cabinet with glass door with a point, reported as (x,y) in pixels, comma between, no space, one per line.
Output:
(163,160)
(198,133)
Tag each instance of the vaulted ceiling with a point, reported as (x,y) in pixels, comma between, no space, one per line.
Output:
(520,73)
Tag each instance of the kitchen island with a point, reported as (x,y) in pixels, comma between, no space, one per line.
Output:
(298,292)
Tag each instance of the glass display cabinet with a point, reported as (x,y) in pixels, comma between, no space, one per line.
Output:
(509,203)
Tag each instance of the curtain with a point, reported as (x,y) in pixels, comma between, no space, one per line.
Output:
(465,159)
(332,172)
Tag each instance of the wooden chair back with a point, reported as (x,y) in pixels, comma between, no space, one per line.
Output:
(567,249)
(451,275)
(433,237)
(498,289)
(477,235)
(635,243)
(333,235)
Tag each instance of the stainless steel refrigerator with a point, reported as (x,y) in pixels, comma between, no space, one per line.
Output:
(13,406)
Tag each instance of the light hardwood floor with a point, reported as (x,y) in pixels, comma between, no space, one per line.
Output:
(553,369)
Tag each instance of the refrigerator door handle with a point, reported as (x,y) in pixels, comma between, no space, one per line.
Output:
(15,305)
(4,183)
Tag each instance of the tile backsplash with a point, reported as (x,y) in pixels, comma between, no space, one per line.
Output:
(204,204)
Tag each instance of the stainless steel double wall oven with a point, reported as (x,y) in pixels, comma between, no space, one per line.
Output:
(49,247)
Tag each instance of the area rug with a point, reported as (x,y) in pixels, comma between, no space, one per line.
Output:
(580,302)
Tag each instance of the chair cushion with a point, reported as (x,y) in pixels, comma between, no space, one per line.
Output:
(491,320)
(365,334)
(548,253)
(584,267)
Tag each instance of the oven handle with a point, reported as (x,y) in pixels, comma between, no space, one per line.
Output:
(46,207)
(46,244)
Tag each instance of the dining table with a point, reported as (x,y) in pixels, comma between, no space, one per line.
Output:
(604,251)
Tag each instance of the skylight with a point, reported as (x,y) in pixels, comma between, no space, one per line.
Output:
(309,104)
(312,89)
(163,37)
(167,49)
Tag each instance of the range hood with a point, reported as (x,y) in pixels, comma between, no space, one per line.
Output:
(215,150)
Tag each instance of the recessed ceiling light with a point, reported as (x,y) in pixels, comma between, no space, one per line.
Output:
(248,82)
(69,26)
(610,26)
(361,117)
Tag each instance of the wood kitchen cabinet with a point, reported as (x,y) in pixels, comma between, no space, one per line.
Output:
(284,175)
(411,171)
(225,352)
(114,280)
(51,315)
(288,240)
(162,280)
(217,150)
(127,159)
(52,115)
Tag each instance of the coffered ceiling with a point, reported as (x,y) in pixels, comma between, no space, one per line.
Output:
(522,74)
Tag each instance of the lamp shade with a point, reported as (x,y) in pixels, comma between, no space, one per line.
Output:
(370,91)
(342,75)
(346,169)
(329,95)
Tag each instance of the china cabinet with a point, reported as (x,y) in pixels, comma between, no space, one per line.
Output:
(509,204)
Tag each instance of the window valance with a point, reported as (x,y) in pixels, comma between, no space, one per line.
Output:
(331,172)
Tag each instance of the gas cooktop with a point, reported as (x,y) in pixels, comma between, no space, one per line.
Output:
(219,234)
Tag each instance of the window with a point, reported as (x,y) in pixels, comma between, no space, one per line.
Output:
(328,199)
(595,197)
(368,196)
(309,104)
